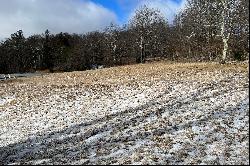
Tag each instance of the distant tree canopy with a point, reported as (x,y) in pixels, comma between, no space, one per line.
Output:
(212,30)
(146,26)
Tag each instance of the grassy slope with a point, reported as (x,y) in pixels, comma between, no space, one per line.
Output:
(160,112)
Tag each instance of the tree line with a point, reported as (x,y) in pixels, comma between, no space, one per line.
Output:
(212,30)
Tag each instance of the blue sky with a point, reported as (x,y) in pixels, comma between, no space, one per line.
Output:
(124,8)
(115,6)
(74,16)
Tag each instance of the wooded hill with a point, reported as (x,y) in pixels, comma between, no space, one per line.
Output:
(209,30)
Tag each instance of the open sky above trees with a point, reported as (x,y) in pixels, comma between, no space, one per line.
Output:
(73,16)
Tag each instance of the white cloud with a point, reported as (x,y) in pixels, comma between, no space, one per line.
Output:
(35,16)
(167,7)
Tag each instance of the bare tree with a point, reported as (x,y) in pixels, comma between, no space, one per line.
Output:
(209,22)
(226,23)
(112,34)
(143,24)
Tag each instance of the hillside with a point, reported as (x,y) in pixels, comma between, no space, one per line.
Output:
(156,113)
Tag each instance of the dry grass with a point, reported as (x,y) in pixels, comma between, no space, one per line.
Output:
(155,113)
(131,73)
(110,78)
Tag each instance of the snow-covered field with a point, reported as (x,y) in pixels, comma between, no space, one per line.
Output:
(159,113)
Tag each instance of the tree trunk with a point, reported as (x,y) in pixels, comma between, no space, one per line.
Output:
(142,48)
(223,33)
(141,54)
(189,51)
(225,49)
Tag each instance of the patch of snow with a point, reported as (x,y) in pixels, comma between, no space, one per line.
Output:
(5,100)
(161,121)
(95,138)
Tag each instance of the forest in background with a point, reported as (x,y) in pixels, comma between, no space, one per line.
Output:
(212,30)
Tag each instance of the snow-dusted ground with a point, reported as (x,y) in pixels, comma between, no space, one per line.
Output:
(143,114)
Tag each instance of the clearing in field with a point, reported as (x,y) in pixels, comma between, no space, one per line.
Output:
(157,113)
